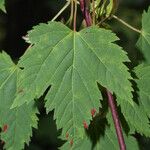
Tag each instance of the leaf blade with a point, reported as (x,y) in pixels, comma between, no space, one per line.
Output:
(19,121)
(72,63)
(144,40)
(2,5)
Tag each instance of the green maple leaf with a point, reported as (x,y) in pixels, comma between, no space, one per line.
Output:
(72,63)
(106,141)
(78,144)
(136,118)
(144,40)
(110,137)
(137,115)
(110,141)
(143,74)
(16,123)
(2,5)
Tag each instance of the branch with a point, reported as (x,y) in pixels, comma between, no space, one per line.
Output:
(71,13)
(75,15)
(84,6)
(93,13)
(88,19)
(61,11)
(110,97)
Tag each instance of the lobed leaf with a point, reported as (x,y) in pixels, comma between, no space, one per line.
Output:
(143,74)
(137,115)
(106,141)
(144,40)
(72,63)
(16,123)
(110,141)
(110,138)
(2,5)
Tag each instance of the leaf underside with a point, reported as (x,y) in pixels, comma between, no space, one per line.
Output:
(17,123)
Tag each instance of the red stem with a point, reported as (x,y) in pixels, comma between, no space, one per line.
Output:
(88,18)
(116,120)
(82,6)
(86,13)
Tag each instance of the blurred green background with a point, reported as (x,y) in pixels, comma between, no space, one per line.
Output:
(22,15)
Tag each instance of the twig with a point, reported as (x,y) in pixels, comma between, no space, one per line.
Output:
(82,6)
(99,23)
(61,11)
(71,16)
(87,13)
(75,15)
(116,121)
(71,13)
(93,13)
(126,24)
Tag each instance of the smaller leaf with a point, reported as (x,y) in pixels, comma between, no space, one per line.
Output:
(136,118)
(16,123)
(137,114)
(2,5)
(143,74)
(130,141)
(144,40)
(106,141)
(110,141)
